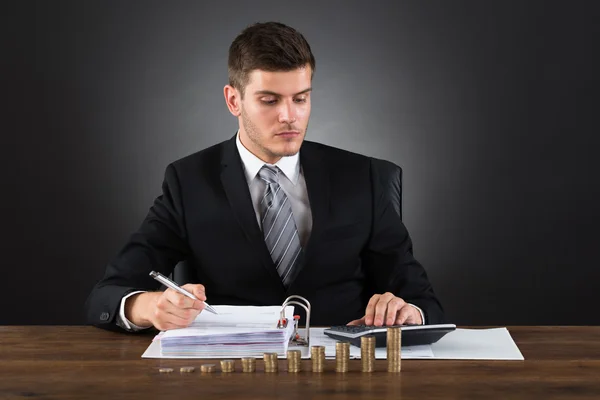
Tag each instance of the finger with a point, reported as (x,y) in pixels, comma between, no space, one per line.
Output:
(165,305)
(187,315)
(357,322)
(173,321)
(392,310)
(164,321)
(407,315)
(178,300)
(370,311)
(183,318)
(381,308)
(197,290)
(167,311)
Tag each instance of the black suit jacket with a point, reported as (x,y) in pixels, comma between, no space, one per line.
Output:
(358,245)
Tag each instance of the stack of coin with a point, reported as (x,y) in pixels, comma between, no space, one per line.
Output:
(165,370)
(207,368)
(342,356)
(186,369)
(317,355)
(227,365)
(294,357)
(394,343)
(270,362)
(367,353)
(248,364)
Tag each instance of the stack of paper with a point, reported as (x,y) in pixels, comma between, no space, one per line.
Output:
(237,331)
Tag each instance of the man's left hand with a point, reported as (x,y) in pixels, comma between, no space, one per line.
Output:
(387,309)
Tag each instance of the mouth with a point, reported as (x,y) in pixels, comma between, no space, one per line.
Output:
(288,134)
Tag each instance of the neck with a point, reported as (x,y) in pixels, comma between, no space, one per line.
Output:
(263,157)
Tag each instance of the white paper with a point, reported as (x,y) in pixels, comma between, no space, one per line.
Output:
(477,344)
(233,319)
(153,351)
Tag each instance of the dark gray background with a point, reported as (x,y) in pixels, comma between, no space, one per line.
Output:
(490,107)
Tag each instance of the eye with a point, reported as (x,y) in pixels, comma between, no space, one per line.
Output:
(269,102)
(300,100)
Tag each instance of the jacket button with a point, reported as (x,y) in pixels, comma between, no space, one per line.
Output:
(104,316)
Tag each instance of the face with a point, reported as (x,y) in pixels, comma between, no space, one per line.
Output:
(274,113)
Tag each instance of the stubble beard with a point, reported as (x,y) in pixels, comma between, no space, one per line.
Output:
(254,135)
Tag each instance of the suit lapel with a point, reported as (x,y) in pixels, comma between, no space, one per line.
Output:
(316,176)
(237,192)
(318,186)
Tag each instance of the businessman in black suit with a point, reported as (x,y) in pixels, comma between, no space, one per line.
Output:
(266,214)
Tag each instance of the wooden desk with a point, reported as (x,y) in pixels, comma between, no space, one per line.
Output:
(81,362)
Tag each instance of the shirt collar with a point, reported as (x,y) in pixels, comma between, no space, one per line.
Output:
(290,166)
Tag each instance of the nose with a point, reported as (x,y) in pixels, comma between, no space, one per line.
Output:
(287,113)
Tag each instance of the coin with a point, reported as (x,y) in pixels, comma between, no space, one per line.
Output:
(294,358)
(342,356)
(394,347)
(207,368)
(227,365)
(271,362)
(367,353)
(248,364)
(317,355)
(165,370)
(187,369)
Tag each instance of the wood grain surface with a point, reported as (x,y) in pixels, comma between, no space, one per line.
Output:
(81,362)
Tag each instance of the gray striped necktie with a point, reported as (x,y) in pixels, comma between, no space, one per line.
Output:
(279,228)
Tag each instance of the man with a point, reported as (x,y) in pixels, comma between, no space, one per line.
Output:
(266,214)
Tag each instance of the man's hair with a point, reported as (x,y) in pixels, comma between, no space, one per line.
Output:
(268,46)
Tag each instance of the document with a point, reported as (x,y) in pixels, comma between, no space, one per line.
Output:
(236,331)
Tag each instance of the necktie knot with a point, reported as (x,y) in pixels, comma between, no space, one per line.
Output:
(269,174)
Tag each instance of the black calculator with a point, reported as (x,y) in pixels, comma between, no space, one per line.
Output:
(411,334)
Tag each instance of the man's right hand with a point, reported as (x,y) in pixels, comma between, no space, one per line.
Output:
(165,310)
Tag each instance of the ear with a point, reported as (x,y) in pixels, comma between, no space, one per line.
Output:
(233,100)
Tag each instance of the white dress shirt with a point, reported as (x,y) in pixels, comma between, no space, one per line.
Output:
(291,180)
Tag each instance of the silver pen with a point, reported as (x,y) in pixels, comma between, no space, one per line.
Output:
(170,284)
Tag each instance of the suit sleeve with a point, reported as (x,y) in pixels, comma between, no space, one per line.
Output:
(389,261)
(159,244)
